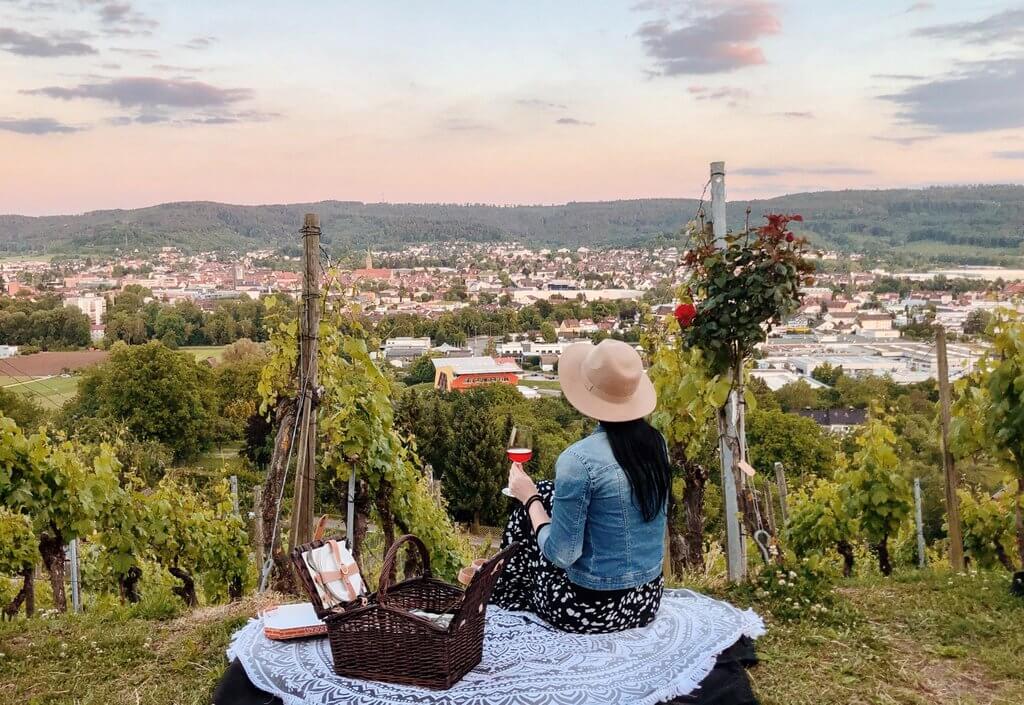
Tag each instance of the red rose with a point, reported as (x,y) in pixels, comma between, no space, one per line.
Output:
(685,313)
(789,237)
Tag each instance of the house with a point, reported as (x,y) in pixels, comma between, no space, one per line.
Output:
(19,289)
(836,420)
(840,319)
(91,305)
(570,326)
(876,325)
(405,348)
(375,273)
(446,350)
(776,379)
(466,372)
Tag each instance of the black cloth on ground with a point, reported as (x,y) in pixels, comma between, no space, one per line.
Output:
(727,684)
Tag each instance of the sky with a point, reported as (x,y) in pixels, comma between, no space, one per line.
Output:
(111,104)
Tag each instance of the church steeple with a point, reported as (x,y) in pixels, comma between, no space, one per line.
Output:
(369,259)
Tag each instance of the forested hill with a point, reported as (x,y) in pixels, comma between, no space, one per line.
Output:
(968,223)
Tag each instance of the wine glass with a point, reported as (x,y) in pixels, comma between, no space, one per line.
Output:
(520,449)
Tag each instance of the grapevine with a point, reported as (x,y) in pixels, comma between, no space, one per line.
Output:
(356,429)
(819,520)
(875,491)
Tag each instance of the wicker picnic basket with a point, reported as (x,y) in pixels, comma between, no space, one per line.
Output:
(379,638)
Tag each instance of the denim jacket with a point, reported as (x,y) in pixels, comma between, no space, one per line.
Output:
(597,532)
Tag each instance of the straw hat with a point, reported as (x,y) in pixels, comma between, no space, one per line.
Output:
(606,381)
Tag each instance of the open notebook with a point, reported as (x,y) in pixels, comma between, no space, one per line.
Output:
(292,622)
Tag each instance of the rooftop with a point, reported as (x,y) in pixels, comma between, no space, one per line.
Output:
(475,365)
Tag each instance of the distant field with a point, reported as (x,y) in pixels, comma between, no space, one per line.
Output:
(48,392)
(5,259)
(202,352)
(45,364)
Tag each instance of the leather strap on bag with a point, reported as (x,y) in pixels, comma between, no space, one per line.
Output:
(343,573)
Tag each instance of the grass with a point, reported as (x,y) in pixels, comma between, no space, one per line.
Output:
(202,352)
(223,460)
(915,638)
(114,656)
(541,383)
(50,393)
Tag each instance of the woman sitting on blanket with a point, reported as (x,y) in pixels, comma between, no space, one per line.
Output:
(593,542)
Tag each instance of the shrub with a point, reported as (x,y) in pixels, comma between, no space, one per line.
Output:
(793,591)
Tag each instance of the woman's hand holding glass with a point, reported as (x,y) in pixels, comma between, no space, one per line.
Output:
(520,485)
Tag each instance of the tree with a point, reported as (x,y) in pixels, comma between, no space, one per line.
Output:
(875,491)
(548,333)
(236,380)
(977,322)
(862,392)
(125,327)
(475,466)
(797,442)
(131,299)
(798,395)
(828,374)
(818,520)
(44,323)
(170,328)
(22,410)
(244,350)
(156,392)
(763,395)
(421,370)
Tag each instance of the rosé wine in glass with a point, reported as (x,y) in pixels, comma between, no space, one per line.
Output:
(520,455)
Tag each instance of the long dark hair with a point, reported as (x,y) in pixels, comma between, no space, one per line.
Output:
(640,450)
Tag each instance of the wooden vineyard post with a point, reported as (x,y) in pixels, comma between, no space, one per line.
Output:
(76,592)
(257,522)
(919,523)
(729,443)
(305,468)
(956,540)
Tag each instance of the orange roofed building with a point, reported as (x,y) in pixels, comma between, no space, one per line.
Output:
(371,272)
(452,373)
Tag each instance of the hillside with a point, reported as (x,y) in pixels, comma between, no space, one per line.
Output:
(924,637)
(969,224)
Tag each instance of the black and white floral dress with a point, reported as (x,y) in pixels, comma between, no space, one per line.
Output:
(532,583)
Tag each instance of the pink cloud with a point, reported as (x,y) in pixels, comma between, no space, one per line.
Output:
(710,42)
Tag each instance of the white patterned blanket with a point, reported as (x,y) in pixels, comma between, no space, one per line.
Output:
(525,661)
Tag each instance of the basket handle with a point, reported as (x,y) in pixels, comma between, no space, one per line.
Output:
(389,563)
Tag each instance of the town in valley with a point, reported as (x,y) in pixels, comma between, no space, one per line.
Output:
(503,312)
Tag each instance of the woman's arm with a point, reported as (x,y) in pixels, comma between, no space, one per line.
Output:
(561,540)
